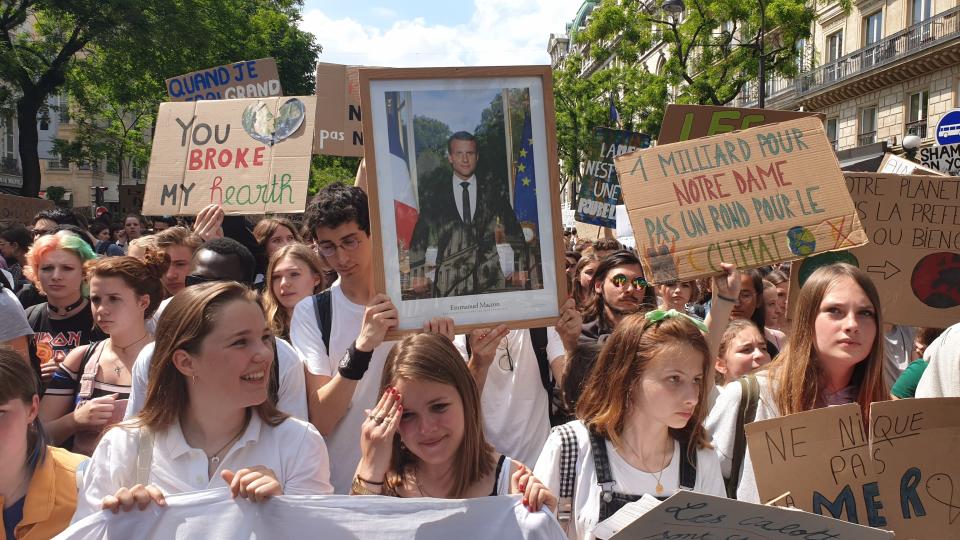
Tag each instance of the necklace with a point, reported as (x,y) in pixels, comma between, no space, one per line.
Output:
(416,478)
(660,489)
(67,309)
(215,458)
(124,349)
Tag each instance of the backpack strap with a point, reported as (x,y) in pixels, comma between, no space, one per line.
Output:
(144,455)
(324,309)
(37,316)
(688,464)
(274,383)
(746,413)
(538,336)
(569,448)
(88,374)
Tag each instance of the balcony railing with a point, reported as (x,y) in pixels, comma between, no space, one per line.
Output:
(913,39)
(866,138)
(918,128)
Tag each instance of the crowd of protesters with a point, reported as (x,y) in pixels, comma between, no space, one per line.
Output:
(169,355)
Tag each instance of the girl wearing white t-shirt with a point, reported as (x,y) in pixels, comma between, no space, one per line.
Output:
(425,436)
(207,421)
(640,429)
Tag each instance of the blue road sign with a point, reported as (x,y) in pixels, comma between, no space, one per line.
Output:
(948,129)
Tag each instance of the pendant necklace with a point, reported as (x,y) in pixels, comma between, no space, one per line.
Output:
(215,458)
(117,368)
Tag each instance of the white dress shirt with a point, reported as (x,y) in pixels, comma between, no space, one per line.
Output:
(294,451)
(458,194)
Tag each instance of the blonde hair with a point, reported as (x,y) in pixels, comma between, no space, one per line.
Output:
(797,372)
(432,357)
(278,318)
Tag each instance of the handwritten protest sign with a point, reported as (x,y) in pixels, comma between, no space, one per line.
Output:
(600,189)
(945,158)
(14,209)
(339,125)
(685,122)
(689,515)
(830,447)
(251,156)
(892,164)
(912,442)
(246,79)
(748,198)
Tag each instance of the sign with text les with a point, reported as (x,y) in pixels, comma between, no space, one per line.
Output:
(913,224)
(685,122)
(251,156)
(912,443)
(689,515)
(749,198)
(599,189)
(246,79)
(339,125)
(830,447)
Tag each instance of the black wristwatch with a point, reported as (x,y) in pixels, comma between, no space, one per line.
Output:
(354,363)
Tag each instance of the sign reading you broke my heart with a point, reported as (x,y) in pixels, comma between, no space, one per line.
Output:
(251,156)
(751,198)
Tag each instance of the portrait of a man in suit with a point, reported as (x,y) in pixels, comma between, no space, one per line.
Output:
(467,239)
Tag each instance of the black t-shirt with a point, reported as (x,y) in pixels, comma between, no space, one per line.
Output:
(55,338)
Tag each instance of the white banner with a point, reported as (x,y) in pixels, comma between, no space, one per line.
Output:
(212,514)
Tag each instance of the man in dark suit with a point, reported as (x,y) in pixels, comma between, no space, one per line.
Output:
(467,239)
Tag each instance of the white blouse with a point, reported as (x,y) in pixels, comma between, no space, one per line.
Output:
(294,451)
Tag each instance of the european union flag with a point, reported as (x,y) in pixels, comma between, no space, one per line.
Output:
(525,182)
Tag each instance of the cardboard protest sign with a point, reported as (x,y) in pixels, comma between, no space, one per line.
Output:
(599,189)
(830,447)
(913,224)
(14,209)
(689,515)
(892,164)
(131,198)
(912,442)
(251,156)
(685,122)
(945,158)
(748,198)
(339,125)
(239,80)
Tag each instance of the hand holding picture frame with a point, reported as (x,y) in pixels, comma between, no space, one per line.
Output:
(464,194)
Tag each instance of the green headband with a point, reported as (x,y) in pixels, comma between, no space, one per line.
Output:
(658,315)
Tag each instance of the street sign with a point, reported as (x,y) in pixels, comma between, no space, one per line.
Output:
(948,128)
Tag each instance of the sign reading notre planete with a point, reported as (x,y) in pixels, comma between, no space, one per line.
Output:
(246,79)
(751,198)
(250,156)
(685,122)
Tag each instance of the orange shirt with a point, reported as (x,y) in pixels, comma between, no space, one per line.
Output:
(51,497)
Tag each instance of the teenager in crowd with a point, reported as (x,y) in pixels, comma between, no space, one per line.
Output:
(100,230)
(138,247)
(583,279)
(294,273)
(639,428)
(64,321)
(619,290)
(274,233)
(90,388)
(207,421)
(906,385)
(226,260)
(750,306)
(179,245)
(134,225)
(742,350)
(676,295)
(771,311)
(162,223)
(834,357)
(15,241)
(781,282)
(38,483)
(340,363)
(425,437)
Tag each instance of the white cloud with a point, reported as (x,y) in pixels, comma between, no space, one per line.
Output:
(500,32)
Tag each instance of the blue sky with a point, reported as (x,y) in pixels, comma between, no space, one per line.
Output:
(436,33)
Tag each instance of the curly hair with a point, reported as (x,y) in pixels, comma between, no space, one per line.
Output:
(143,276)
(335,205)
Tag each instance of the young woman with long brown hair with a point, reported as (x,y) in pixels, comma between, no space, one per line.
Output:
(425,436)
(294,273)
(207,421)
(834,357)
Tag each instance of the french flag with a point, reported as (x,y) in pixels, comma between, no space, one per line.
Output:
(405,206)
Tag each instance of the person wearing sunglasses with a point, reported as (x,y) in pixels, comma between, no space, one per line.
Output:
(620,289)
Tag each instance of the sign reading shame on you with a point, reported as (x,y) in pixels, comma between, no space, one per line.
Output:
(751,198)
(251,156)
(599,189)
(247,79)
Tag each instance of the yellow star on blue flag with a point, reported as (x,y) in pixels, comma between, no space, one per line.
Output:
(524,190)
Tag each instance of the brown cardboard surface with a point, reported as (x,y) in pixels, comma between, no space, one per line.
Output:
(685,122)
(898,165)
(131,198)
(14,209)
(338,124)
(751,198)
(913,443)
(237,80)
(689,515)
(248,176)
(829,447)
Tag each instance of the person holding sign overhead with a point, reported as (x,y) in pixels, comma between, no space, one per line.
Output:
(834,357)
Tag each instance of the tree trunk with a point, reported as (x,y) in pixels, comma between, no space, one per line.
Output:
(27,109)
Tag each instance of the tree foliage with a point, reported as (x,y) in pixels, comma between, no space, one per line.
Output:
(325,170)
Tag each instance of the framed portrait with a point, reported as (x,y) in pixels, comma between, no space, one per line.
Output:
(464,194)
